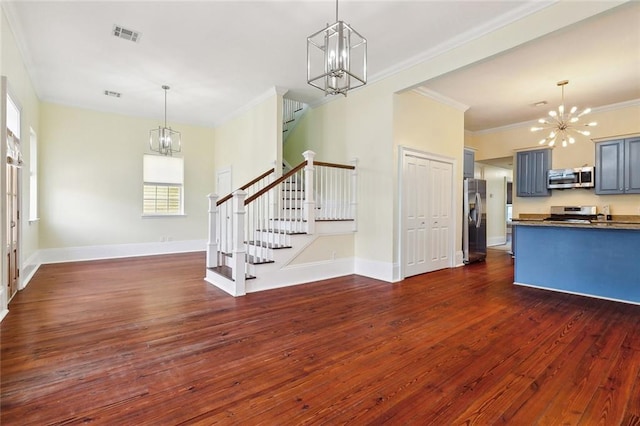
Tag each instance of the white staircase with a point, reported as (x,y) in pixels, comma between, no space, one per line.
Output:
(256,233)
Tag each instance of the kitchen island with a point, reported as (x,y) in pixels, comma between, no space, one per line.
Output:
(597,259)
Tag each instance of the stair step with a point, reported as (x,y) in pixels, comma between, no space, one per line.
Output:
(268,245)
(279,231)
(226,272)
(251,259)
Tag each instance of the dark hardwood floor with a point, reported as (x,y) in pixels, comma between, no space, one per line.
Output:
(147,341)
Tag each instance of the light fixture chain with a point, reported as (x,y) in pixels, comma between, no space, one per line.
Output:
(336,10)
(164,140)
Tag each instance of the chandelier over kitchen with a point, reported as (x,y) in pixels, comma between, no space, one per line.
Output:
(336,58)
(562,124)
(164,140)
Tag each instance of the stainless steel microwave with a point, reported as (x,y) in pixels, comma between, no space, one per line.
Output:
(581,177)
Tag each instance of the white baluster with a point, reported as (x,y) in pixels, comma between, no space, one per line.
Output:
(309,201)
(239,251)
(354,193)
(212,244)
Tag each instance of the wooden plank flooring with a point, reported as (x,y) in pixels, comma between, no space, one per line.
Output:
(147,341)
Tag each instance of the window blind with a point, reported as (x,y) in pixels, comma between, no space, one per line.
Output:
(162,169)
(163,183)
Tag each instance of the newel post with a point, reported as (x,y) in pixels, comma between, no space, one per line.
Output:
(354,193)
(309,205)
(212,243)
(239,251)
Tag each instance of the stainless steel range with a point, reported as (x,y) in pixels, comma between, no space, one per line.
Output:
(576,214)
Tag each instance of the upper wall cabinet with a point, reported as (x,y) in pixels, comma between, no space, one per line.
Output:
(469,163)
(531,173)
(618,166)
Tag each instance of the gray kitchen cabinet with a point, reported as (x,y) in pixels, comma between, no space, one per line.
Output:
(531,173)
(468,169)
(618,166)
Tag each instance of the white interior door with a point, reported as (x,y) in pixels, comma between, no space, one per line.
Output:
(427,220)
(13,225)
(224,229)
(414,177)
(439,190)
(223,182)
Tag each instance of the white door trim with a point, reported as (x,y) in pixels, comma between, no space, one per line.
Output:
(404,151)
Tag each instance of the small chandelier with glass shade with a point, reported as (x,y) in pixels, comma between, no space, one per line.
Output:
(164,140)
(562,125)
(336,58)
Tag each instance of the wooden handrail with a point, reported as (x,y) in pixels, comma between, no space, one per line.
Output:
(245,186)
(334,165)
(275,183)
(262,176)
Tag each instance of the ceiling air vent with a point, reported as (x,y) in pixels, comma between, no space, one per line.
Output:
(126,34)
(112,93)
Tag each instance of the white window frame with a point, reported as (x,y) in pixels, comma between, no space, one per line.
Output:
(161,172)
(13,117)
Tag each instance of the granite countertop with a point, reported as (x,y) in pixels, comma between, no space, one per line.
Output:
(596,224)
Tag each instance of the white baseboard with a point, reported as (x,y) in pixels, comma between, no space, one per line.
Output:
(459,258)
(271,277)
(375,269)
(496,241)
(114,251)
(3,303)
(224,284)
(29,269)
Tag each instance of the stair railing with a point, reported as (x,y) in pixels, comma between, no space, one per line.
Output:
(335,190)
(261,216)
(221,220)
(273,214)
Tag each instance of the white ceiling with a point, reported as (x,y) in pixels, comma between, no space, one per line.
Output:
(219,56)
(599,56)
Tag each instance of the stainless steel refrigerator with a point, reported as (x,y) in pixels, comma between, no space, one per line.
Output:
(474,237)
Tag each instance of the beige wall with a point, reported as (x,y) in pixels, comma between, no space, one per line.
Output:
(429,126)
(360,127)
(91,187)
(325,248)
(250,143)
(318,128)
(612,123)
(21,90)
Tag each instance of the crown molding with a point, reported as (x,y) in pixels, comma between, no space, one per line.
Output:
(438,97)
(525,10)
(273,91)
(16,30)
(604,108)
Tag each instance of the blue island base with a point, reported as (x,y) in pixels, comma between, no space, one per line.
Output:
(596,262)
